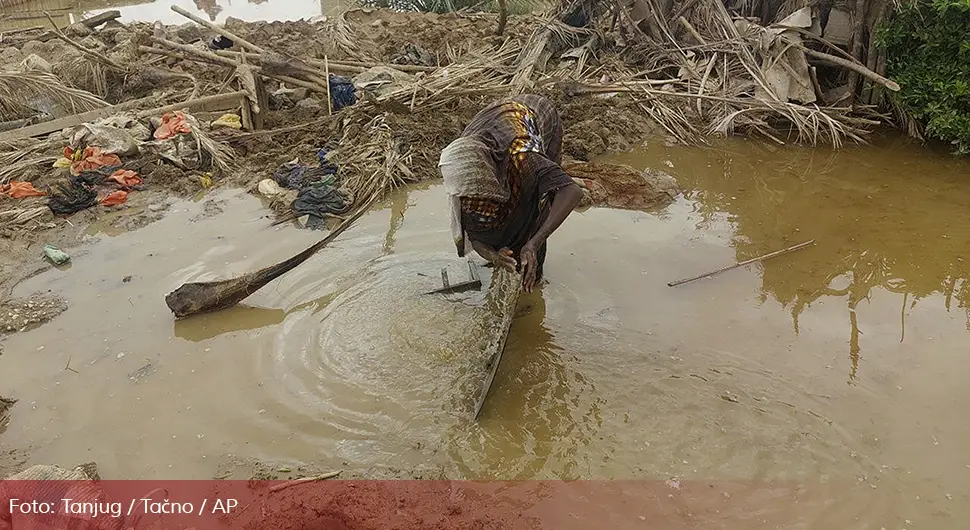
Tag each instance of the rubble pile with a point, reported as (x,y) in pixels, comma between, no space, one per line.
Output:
(101,110)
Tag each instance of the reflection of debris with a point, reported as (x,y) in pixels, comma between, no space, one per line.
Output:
(143,372)
(5,404)
(618,186)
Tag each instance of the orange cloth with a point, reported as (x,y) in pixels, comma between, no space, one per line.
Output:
(126,178)
(172,124)
(91,159)
(114,199)
(19,190)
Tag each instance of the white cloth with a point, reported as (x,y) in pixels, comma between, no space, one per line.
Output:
(468,171)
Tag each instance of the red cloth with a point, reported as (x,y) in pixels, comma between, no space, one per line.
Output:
(91,159)
(114,199)
(172,124)
(19,190)
(126,178)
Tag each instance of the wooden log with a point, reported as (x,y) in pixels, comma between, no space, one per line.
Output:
(195,103)
(103,18)
(262,100)
(206,56)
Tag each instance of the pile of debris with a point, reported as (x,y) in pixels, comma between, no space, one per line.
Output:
(692,67)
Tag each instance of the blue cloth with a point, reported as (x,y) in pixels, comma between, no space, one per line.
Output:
(342,92)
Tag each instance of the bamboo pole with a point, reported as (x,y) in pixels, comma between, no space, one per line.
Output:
(205,56)
(222,31)
(743,263)
(208,100)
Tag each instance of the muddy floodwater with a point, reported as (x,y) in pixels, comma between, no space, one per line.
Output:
(842,368)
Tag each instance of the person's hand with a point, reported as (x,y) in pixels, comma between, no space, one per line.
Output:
(504,258)
(529,266)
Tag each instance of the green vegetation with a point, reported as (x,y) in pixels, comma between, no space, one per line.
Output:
(927,46)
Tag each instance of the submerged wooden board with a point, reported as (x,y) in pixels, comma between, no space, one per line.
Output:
(502,298)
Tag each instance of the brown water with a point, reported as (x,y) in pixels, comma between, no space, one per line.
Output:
(842,367)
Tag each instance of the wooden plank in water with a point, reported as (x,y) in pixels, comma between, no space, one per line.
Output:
(503,297)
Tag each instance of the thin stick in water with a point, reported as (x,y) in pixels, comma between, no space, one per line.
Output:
(743,263)
(297,482)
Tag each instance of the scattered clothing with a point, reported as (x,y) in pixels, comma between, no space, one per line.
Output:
(126,178)
(67,198)
(20,190)
(231,121)
(221,42)
(270,189)
(324,163)
(92,178)
(115,198)
(56,256)
(294,176)
(342,92)
(90,159)
(320,199)
(172,125)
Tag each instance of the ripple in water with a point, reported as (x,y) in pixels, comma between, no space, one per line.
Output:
(375,364)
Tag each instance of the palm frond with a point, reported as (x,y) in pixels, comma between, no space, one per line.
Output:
(18,90)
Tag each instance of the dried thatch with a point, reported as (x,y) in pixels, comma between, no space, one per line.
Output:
(18,90)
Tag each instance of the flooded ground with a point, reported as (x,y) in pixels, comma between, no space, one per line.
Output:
(840,368)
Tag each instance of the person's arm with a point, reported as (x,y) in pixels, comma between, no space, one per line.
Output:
(564,201)
(499,258)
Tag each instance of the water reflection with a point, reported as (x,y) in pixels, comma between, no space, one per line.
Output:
(541,414)
(238,318)
(866,207)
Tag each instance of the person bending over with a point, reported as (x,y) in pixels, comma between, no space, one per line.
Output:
(506,189)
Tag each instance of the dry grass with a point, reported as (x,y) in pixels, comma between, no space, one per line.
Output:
(83,73)
(221,156)
(19,89)
(340,36)
(708,77)
(15,171)
(19,217)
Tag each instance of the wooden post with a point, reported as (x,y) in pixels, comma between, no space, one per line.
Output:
(262,100)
